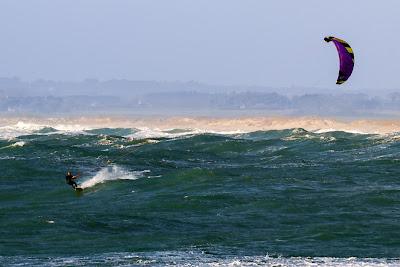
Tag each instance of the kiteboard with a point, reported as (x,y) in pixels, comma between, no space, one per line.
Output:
(79,189)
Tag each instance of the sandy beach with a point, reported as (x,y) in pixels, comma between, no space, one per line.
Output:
(240,124)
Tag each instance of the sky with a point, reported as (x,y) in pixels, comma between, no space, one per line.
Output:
(227,42)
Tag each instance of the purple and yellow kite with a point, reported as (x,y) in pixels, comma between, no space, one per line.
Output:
(346,57)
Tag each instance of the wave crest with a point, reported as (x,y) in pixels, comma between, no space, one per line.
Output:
(180,126)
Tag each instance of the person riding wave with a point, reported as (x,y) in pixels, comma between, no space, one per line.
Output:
(70,179)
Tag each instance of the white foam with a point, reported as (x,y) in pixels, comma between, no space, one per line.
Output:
(145,133)
(28,126)
(7,158)
(11,132)
(111,173)
(177,258)
(328,130)
(16,144)
(25,128)
(22,128)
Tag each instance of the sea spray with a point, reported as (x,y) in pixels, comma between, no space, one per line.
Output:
(111,173)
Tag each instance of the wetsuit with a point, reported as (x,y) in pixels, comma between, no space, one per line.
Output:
(70,181)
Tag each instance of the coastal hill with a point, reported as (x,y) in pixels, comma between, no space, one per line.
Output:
(92,96)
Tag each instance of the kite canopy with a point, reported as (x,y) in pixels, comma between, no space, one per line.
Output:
(346,57)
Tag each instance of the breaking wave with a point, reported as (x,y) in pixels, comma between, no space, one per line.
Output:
(178,258)
(181,126)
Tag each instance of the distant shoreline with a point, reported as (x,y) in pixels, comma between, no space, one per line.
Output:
(208,123)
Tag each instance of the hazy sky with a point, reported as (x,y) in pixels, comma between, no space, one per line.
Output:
(246,42)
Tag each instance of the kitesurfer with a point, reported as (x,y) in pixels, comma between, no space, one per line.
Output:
(69,178)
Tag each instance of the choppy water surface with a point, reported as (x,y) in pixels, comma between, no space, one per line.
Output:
(287,197)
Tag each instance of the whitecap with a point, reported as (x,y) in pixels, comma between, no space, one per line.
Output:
(193,258)
(16,144)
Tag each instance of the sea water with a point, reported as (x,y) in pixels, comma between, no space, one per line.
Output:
(188,197)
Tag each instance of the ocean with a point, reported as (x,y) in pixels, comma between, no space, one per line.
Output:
(198,197)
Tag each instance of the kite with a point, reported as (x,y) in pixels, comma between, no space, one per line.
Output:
(346,57)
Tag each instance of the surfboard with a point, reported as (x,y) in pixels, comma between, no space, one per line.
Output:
(78,189)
